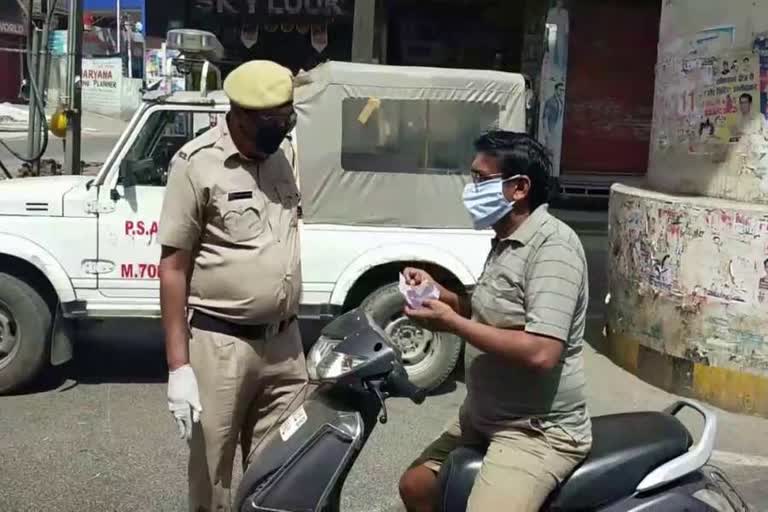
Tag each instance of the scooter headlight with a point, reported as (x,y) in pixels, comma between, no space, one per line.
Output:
(326,363)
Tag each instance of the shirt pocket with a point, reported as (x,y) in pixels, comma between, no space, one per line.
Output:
(243,215)
(501,301)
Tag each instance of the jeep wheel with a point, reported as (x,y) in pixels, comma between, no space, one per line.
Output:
(429,357)
(25,322)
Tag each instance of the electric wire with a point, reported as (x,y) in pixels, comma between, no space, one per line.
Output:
(39,106)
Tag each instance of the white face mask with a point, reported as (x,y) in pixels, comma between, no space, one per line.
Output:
(486,203)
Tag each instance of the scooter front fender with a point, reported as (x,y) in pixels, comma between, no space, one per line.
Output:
(300,463)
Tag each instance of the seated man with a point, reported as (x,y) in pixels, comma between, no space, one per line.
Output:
(524,328)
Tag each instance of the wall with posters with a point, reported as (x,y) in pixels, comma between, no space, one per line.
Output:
(688,268)
(689,294)
(710,100)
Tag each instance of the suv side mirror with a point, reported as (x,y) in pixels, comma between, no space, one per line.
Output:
(130,170)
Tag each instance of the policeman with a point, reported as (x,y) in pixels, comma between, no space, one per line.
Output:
(230,281)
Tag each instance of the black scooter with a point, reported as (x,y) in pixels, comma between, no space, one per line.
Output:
(639,462)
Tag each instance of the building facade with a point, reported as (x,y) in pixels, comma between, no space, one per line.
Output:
(590,62)
(12,42)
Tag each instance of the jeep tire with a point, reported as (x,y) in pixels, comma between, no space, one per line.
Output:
(429,357)
(25,326)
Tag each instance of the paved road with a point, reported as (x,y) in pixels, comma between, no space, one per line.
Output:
(96,148)
(99,438)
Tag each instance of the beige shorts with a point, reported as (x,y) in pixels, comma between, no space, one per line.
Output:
(521,468)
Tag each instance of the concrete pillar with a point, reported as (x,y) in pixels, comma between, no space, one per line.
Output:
(688,272)
(692,87)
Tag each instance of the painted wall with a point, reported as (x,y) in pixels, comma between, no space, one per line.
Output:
(689,277)
(709,135)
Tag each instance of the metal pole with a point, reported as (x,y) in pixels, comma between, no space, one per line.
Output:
(47,53)
(363,30)
(29,63)
(74,70)
(129,45)
(34,122)
(42,77)
(119,27)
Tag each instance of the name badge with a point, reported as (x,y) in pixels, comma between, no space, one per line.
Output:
(236,196)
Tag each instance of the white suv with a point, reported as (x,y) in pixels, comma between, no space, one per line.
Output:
(380,167)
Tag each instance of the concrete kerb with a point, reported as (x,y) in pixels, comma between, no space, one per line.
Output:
(730,390)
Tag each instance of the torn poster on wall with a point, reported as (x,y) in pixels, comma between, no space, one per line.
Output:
(714,40)
(706,101)
(729,106)
(674,249)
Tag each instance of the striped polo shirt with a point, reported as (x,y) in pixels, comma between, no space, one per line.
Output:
(534,280)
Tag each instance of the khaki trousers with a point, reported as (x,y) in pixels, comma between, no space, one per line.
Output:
(246,386)
(521,468)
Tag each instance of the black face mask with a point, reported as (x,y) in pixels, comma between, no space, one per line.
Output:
(269,137)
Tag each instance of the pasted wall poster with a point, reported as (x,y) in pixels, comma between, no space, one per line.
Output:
(553,81)
(708,101)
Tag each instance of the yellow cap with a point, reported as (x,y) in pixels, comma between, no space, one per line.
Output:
(259,84)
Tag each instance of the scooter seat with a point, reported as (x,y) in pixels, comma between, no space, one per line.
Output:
(625,448)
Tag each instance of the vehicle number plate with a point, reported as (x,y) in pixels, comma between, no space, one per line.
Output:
(293,423)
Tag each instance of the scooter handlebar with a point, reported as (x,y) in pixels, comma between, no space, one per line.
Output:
(398,384)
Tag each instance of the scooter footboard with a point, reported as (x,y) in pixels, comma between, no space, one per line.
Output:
(298,465)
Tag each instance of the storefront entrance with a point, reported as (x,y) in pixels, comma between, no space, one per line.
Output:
(609,93)
(12,38)
(454,33)
(298,34)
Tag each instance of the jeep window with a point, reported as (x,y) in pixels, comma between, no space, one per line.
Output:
(161,137)
(412,136)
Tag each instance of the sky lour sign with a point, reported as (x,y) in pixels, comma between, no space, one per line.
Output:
(283,7)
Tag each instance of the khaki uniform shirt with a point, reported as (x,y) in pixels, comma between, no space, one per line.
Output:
(239,218)
(535,280)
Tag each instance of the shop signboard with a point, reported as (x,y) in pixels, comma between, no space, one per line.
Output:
(102,84)
(11,19)
(276,11)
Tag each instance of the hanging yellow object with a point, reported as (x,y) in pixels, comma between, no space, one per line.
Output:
(58,123)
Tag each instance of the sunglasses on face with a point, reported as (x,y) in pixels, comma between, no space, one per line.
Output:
(285,116)
(279,118)
(478,177)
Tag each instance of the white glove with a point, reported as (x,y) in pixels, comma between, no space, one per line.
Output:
(184,399)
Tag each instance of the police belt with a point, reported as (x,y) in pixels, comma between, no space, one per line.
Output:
(206,322)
